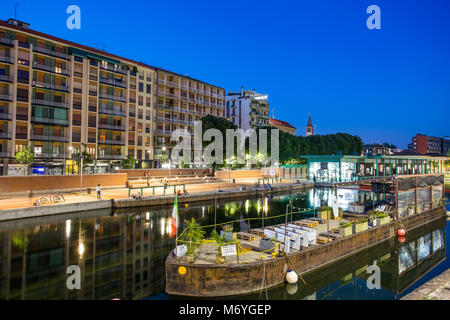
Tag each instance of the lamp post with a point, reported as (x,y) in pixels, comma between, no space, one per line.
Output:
(81,173)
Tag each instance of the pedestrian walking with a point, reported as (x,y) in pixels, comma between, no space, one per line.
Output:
(99,191)
(147,176)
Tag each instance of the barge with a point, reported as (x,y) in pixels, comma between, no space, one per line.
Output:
(208,279)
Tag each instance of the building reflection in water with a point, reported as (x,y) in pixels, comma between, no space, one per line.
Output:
(119,257)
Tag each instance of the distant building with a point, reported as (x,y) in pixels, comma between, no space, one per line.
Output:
(309,128)
(282,125)
(376,150)
(424,144)
(247,109)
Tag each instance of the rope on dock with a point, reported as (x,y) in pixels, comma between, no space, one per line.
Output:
(299,275)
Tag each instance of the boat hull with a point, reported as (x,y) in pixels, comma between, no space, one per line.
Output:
(206,280)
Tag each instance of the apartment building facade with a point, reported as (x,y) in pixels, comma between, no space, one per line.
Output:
(181,101)
(430,145)
(247,109)
(63,98)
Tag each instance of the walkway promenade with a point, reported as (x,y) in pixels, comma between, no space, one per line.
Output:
(437,288)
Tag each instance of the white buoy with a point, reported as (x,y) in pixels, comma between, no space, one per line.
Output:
(291,276)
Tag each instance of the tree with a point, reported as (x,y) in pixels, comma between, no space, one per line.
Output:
(25,156)
(128,162)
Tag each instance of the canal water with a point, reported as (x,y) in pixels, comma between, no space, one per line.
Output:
(122,254)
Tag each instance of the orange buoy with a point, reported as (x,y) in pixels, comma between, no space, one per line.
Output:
(401,232)
(401,239)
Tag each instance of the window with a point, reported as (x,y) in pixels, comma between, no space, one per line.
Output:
(141,87)
(149,88)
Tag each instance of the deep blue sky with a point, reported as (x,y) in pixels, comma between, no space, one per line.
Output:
(311,57)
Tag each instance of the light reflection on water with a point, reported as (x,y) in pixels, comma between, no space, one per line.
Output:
(123,255)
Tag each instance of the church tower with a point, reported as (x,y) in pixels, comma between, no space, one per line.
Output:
(309,128)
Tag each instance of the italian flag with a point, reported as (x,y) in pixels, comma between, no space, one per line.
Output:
(174,219)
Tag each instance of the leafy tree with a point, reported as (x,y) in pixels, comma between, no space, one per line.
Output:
(25,155)
(88,158)
(128,162)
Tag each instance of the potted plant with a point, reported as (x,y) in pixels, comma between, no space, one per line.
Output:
(221,241)
(361,224)
(345,228)
(191,238)
(382,218)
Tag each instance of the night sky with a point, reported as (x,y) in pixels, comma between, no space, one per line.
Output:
(311,57)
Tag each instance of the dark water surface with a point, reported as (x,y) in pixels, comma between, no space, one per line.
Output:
(122,255)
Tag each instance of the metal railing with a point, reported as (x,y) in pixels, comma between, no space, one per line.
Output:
(113,69)
(116,112)
(6,59)
(111,97)
(7,78)
(113,82)
(52,53)
(110,126)
(49,138)
(50,121)
(50,103)
(52,69)
(50,85)
(6,97)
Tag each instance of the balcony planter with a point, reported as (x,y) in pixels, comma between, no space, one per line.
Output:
(361,225)
(383,220)
(346,229)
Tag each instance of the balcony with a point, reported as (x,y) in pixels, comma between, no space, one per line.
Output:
(172,108)
(5,116)
(77,105)
(119,142)
(23,80)
(52,53)
(53,69)
(51,86)
(168,95)
(92,124)
(111,127)
(6,97)
(21,136)
(78,74)
(6,78)
(5,135)
(49,138)
(6,59)
(111,97)
(168,83)
(76,138)
(48,103)
(22,117)
(110,156)
(92,109)
(6,41)
(93,77)
(58,122)
(113,69)
(92,140)
(103,109)
(4,154)
(113,82)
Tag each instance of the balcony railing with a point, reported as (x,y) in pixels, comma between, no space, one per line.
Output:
(6,41)
(5,116)
(110,156)
(4,154)
(111,97)
(50,121)
(49,103)
(51,86)
(112,142)
(49,138)
(52,53)
(53,69)
(115,112)
(168,95)
(5,135)
(7,78)
(6,97)
(6,59)
(168,83)
(113,69)
(168,107)
(111,127)
(113,82)
(49,155)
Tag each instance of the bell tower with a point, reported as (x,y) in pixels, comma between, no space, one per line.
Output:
(309,128)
